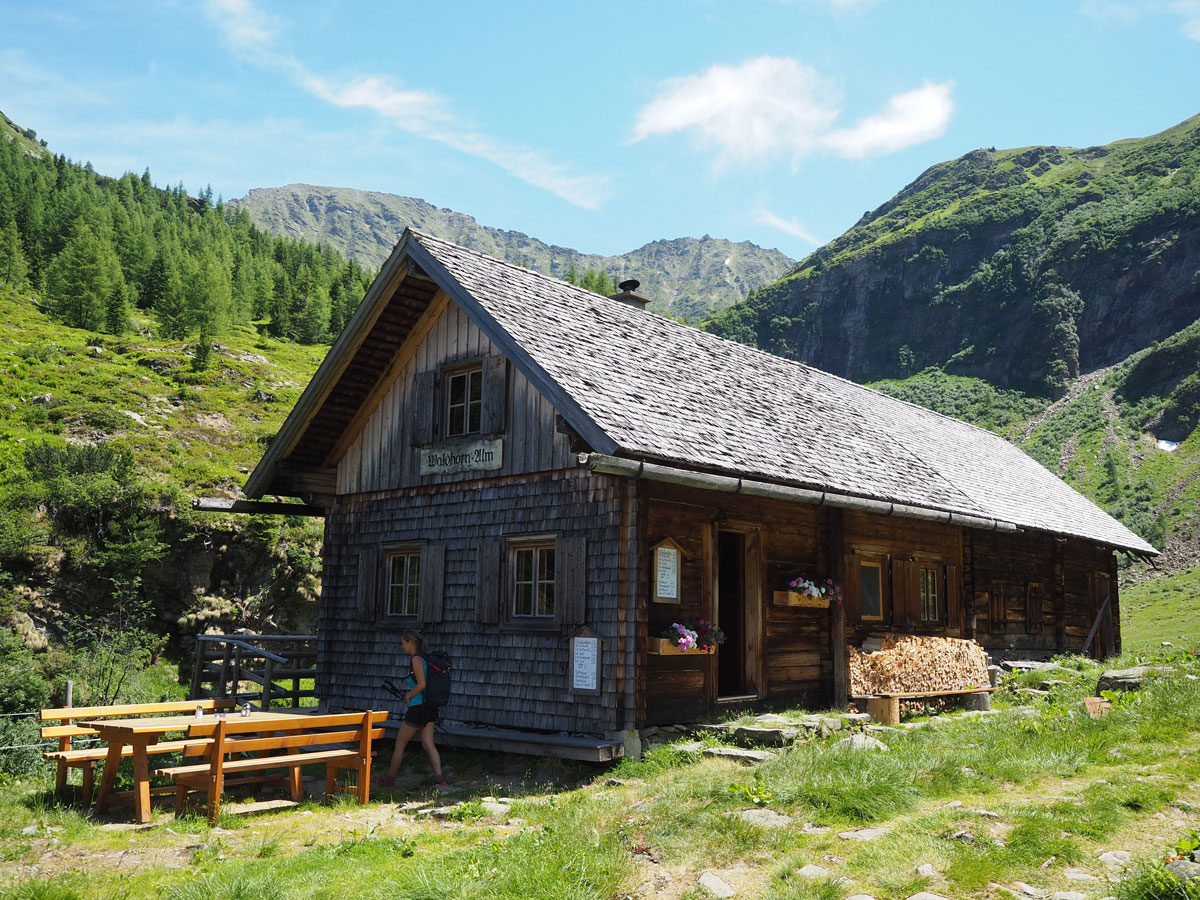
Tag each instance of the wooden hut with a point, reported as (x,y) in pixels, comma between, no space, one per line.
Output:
(546,480)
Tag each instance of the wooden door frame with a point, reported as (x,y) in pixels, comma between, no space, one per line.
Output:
(753,615)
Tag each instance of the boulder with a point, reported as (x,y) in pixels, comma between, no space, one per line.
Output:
(718,887)
(1129,679)
(861,742)
(1184,870)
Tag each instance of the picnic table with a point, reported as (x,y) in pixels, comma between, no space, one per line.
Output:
(141,733)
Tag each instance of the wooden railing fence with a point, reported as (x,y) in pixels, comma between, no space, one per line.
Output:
(240,666)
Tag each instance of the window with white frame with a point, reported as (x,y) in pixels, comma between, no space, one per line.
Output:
(464,411)
(404,583)
(532,568)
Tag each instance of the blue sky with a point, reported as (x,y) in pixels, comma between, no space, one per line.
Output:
(599,126)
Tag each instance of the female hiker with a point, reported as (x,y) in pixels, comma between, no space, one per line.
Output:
(420,716)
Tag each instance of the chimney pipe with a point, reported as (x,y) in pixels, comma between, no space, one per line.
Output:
(627,294)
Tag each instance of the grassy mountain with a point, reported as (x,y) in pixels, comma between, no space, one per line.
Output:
(1025,267)
(687,277)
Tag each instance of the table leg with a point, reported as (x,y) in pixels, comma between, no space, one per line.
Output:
(141,782)
(111,763)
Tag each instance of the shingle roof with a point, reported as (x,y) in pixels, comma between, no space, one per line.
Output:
(663,391)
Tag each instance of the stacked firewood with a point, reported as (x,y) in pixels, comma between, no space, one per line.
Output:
(908,663)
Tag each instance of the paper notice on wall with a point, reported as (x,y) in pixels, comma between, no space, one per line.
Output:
(586,663)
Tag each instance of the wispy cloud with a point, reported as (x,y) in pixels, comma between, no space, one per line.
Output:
(910,118)
(770,106)
(789,226)
(1122,13)
(419,112)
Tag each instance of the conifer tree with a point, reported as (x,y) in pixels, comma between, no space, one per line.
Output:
(13,266)
(83,277)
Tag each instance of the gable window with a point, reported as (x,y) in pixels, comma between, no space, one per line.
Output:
(464,412)
(404,583)
(870,586)
(533,571)
(931,601)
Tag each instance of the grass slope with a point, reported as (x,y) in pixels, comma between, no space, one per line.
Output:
(1030,795)
(192,432)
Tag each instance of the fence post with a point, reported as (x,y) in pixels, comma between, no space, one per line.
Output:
(268,674)
(225,670)
(197,664)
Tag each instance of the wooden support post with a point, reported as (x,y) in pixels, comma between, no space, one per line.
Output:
(268,674)
(884,710)
(220,686)
(197,663)
(840,698)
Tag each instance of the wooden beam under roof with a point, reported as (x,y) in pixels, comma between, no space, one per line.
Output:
(255,507)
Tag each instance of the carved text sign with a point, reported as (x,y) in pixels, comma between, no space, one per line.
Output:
(476,456)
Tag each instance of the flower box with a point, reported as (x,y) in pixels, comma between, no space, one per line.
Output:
(795,598)
(667,647)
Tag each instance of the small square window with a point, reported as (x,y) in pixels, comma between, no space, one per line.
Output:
(931,606)
(533,580)
(464,414)
(404,583)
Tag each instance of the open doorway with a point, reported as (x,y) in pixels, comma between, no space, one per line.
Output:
(730,614)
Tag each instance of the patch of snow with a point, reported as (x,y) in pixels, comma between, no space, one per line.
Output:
(1168,446)
(728,260)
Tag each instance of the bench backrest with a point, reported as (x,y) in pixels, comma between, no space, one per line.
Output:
(66,714)
(236,735)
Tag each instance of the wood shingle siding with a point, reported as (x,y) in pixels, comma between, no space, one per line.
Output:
(504,675)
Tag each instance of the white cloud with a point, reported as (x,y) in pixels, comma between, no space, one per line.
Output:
(1121,13)
(244,25)
(910,118)
(789,226)
(1189,10)
(770,107)
(418,112)
(763,107)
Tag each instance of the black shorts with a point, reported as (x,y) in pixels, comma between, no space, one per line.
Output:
(420,715)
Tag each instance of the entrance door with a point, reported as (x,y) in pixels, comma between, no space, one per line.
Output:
(736,612)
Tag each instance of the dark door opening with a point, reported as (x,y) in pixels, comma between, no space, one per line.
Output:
(731,613)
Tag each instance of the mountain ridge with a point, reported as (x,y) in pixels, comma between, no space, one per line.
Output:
(1026,266)
(687,277)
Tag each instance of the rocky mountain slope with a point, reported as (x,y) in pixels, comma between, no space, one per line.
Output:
(687,277)
(1025,267)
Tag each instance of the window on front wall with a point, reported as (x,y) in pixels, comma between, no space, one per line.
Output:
(464,412)
(533,580)
(870,586)
(404,583)
(931,601)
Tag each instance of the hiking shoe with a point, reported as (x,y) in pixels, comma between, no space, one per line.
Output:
(384,781)
(439,780)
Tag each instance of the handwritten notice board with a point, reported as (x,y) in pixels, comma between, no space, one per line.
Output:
(666,563)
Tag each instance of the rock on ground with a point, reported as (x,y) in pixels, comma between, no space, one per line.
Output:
(718,887)
(765,818)
(861,742)
(812,871)
(863,834)
(1129,679)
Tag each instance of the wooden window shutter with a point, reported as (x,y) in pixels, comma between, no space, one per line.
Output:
(570,581)
(495,391)
(998,608)
(954,599)
(433,578)
(487,598)
(906,593)
(1034,607)
(368,584)
(851,592)
(424,407)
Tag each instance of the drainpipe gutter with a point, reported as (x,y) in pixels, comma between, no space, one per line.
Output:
(632,468)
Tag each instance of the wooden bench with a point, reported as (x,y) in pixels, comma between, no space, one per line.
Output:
(68,757)
(884,707)
(305,740)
